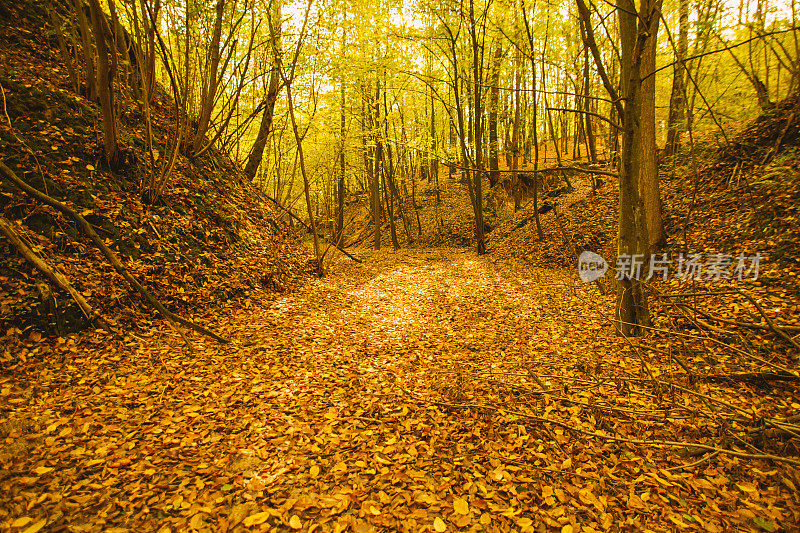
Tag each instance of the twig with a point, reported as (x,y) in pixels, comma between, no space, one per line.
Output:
(289,212)
(751,325)
(5,109)
(690,465)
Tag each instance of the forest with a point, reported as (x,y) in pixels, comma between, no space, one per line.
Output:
(410,265)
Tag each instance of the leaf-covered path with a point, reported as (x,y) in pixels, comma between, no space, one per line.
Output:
(387,396)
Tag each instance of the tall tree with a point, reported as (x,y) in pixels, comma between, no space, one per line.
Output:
(105,84)
(494,99)
(677,98)
(637,31)
(288,78)
(268,104)
(648,172)
(211,80)
(340,188)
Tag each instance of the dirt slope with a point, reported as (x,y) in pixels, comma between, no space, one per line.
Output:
(210,237)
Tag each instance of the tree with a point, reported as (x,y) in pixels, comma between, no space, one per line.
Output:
(88,51)
(287,78)
(340,188)
(210,80)
(677,99)
(268,104)
(637,33)
(494,99)
(648,170)
(105,85)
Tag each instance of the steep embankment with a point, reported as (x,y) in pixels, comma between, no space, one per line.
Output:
(210,238)
(743,198)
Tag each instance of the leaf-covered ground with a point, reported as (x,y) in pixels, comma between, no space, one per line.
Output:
(422,391)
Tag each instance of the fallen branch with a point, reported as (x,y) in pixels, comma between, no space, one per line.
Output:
(751,377)
(6,228)
(112,258)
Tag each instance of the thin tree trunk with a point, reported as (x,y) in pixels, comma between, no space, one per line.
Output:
(677,99)
(340,189)
(534,128)
(88,50)
(516,192)
(477,72)
(306,187)
(375,192)
(494,97)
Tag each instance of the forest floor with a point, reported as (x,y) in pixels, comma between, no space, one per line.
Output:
(420,390)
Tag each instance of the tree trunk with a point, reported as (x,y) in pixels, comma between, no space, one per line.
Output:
(516,191)
(477,73)
(632,311)
(374,188)
(306,187)
(88,50)
(209,92)
(494,97)
(648,172)
(433,159)
(677,99)
(265,127)
(534,124)
(340,189)
(105,87)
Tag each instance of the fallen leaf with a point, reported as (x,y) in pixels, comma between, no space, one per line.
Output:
(36,527)
(255,519)
(21,521)
(460,506)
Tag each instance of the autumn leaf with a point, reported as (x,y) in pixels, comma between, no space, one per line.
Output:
(439,525)
(257,518)
(460,506)
(295,522)
(21,521)
(765,524)
(33,528)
